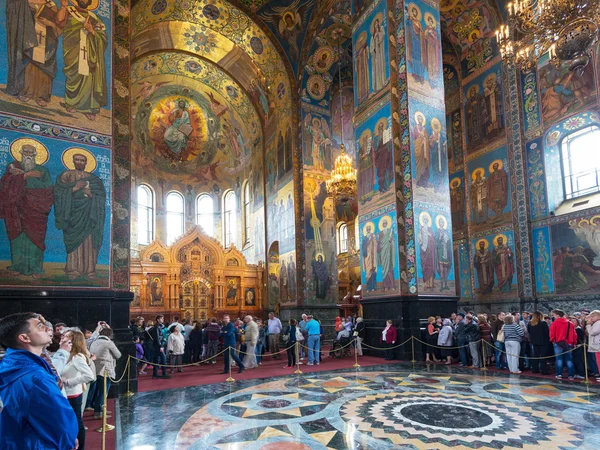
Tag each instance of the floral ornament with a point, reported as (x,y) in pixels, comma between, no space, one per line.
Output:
(200,40)
(573,123)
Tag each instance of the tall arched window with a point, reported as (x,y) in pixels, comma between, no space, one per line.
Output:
(145,214)
(206,210)
(356,234)
(175,214)
(246,213)
(229,219)
(342,238)
(581,162)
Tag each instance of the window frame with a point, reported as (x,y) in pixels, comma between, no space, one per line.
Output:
(229,219)
(200,214)
(170,237)
(568,178)
(246,213)
(150,215)
(342,242)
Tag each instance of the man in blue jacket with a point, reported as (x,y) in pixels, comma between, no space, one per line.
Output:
(228,332)
(36,415)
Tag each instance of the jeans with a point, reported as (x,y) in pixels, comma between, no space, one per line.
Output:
(291,354)
(314,348)
(231,353)
(474,349)
(76,405)
(462,352)
(568,357)
(259,349)
(499,356)
(96,395)
(159,358)
(211,350)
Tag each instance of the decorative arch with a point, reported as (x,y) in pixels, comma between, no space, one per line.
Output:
(196,234)
(157,246)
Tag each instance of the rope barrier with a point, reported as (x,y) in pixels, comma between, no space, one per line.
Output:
(532,357)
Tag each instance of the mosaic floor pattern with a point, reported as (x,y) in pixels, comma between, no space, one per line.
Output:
(386,407)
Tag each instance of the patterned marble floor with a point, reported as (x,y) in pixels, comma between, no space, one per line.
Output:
(385,407)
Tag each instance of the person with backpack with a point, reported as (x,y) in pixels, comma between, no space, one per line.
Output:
(158,340)
(289,339)
(563,338)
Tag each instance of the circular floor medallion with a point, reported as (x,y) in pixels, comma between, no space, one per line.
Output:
(445,416)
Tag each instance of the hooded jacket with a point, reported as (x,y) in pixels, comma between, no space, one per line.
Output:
(36,416)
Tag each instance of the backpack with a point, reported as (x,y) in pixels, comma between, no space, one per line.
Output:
(286,336)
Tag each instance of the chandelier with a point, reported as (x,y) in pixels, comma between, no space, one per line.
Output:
(342,183)
(566,29)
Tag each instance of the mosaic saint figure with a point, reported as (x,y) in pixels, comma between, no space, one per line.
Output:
(291,268)
(427,247)
(378,55)
(84,45)
(366,166)
(177,133)
(32,40)
(321,277)
(369,257)
(504,263)
(362,68)
(283,282)
(484,266)
(572,274)
(156,291)
(420,139)
(493,103)
(416,48)
(497,189)
(479,197)
(386,254)
(438,156)
(433,48)
(80,211)
(383,158)
(457,204)
(319,131)
(477,117)
(231,298)
(258,93)
(26,198)
(444,252)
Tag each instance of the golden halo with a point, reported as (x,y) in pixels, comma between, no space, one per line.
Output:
(420,114)
(42,152)
(475,88)
(492,77)
(503,236)
(444,220)
(455,179)
(479,169)
(410,8)
(385,124)
(593,220)
(435,124)
(321,254)
(388,218)
(67,158)
(378,16)
(371,224)
(364,135)
(500,165)
(486,244)
(424,215)
(428,16)
(362,37)
(92,6)
(582,221)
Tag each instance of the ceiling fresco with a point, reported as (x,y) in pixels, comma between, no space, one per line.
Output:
(191,119)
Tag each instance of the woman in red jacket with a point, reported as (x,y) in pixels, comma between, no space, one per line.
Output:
(388,339)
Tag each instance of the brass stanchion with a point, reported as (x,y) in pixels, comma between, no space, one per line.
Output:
(483,356)
(587,380)
(297,371)
(356,365)
(128,393)
(230,379)
(105,426)
(412,341)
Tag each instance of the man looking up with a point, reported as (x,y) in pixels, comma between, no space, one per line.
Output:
(35,414)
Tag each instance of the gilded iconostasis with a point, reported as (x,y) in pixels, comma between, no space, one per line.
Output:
(221,120)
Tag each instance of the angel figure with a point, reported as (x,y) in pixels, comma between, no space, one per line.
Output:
(321,139)
(148,88)
(290,21)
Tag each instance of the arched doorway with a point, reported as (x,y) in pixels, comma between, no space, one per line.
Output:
(197,299)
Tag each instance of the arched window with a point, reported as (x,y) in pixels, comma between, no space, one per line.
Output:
(246,213)
(342,238)
(581,162)
(356,234)
(145,214)
(229,219)
(206,213)
(175,211)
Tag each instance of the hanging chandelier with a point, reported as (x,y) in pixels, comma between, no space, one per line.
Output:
(342,183)
(567,29)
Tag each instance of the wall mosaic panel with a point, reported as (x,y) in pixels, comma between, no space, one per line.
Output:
(494,266)
(458,204)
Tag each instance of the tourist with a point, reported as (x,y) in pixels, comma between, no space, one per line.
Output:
(539,338)
(195,343)
(274,327)
(302,326)
(250,338)
(187,330)
(91,336)
(563,338)
(107,354)
(338,324)
(176,323)
(431,339)
(211,336)
(578,353)
(343,331)
(473,337)
(176,349)
(359,334)
(228,333)
(291,344)
(148,342)
(446,340)
(495,327)
(137,329)
(461,339)
(512,341)
(139,354)
(158,341)
(388,339)
(485,333)
(313,328)
(35,413)
(593,330)
(75,376)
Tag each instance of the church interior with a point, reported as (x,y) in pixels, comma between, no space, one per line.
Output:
(384,159)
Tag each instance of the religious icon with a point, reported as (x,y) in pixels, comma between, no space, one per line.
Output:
(26,193)
(368,248)
(361,67)
(80,212)
(320,145)
(316,87)
(433,49)
(497,188)
(366,165)
(443,250)
(493,103)
(476,117)
(457,203)
(377,51)
(321,276)
(386,252)
(383,155)
(156,291)
(422,154)
(437,151)
(479,196)
(290,21)
(417,57)
(323,59)
(504,263)
(484,266)
(427,246)
(283,281)
(231,297)
(250,297)
(291,268)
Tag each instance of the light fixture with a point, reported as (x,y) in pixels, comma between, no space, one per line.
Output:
(566,29)
(342,183)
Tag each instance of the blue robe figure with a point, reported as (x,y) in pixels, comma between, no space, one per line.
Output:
(416,44)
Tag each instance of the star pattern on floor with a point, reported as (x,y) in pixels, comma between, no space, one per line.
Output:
(337,384)
(269,435)
(440,382)
(283,404)
(543,392)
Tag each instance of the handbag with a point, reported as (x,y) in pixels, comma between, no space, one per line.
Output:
(564,345)
(286,336)
(299,336)
(355,334)
(500,337)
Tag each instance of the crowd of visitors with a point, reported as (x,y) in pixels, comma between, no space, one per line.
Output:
(518,341)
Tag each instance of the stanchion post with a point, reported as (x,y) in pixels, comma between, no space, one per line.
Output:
(105,426)
(297,371)
(587,380)
(230,379)
(128,393)
(412,341)
(356,365)
(483,356)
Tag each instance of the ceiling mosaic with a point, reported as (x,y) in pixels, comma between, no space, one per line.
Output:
(191,119)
